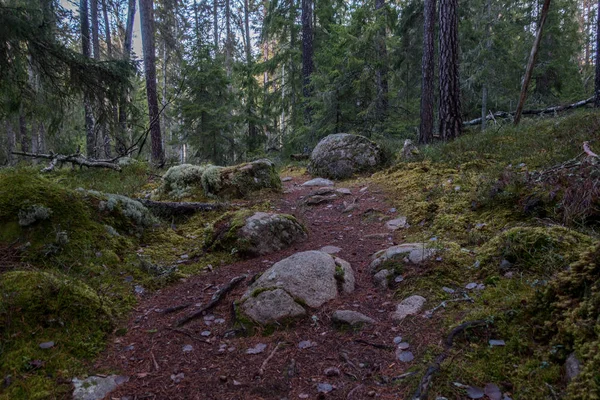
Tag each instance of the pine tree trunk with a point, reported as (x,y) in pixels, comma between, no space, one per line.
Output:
(307,56)
(450,107)
(488,47)
(115,115)
(382,70)
(95,29)
(121,142)
(147,25)
(23,131)
(252,129)
(109,49)
(597,80)
(216,25)
(11,141)
(531,62)
(228,41)
(87,104)
(428,70)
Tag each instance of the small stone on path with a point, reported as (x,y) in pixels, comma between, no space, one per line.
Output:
(46,345)
(404,356)
(96,387)
(448,290)
(345,191)
(397,223)
(259,348)
(187,348)
(381,278)
(398,340)
(403,346)
(330,249)
(410,306)
(286,179)
(351,317)
(318,182)
(306,344)
(494,342)
(332,371)
(324,388)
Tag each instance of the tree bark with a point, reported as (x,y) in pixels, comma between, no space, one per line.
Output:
(382,70)
(450,106)
(531,62)
(428,70)
(87,104)
(11,140)
(147,25)
(121,142)
(229,41)
(307,57)
(95,29)
(250,101)
(105,133)
(107,30)
(216,25)
(488,47)
(597,78)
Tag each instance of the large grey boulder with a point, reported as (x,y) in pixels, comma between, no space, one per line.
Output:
(254,233)
(308,279)
(342,155)
(414,253)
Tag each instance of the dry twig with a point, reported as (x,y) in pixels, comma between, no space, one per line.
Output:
(261,370)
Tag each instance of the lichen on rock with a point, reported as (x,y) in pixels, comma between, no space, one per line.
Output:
(182,181)
(239,181)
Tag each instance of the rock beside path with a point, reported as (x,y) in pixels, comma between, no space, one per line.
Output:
(96,387)
(306,279)
(414,253)
(255,233)
(239,181)
(410,306)
(318,182)
(350,317)
(342,155)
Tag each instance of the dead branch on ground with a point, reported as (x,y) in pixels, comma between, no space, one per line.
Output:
(74,159)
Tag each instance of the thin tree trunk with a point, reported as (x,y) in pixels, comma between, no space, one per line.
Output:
(109,49)
(307,56)
(106,136)
(95,29)
(597,80)
(450,107)
(531,62)
(23,131)
(216,25)
(85,48)
(382,70)
(121,144)
(11,141)
(488,47)
(228,41)
(147,25)
(428,70)
(252,130)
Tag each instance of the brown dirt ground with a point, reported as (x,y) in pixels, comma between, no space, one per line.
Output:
(151,352)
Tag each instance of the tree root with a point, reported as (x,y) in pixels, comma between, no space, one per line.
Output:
(219,294)
(423,387)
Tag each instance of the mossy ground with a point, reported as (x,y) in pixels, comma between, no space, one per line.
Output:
(453,199)
(77,266)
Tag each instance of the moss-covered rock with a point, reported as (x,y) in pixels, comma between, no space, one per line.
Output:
(239,181)
(182,181)
(342,155)
(539,250)
(252,233)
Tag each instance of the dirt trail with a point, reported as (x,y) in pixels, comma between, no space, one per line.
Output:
(217,367)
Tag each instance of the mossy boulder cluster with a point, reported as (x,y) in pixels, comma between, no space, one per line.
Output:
(296,284)
(235,182)
(342,155)
(250,233)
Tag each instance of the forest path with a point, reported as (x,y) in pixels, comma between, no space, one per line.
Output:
(203,361)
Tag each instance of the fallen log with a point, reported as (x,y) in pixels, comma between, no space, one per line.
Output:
(548,110)
(171,208)
(213,301)
(74,159)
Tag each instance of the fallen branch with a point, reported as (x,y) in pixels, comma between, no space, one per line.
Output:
(169,209)
(219,294)
(76,159)
(183,332)
(423,387)
(173,309)
(548,110)
(429,313)
(261,370)
(376,345)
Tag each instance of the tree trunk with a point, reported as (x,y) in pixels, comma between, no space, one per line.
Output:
(147,25)
(229,41)
(85,49)
(107,30)
(450,107)
(597,80)
(488,47)
(23,131)
(106,136)
(216,25)
(95,29)
(531,62)
(382,70)
(307,56)
(252,129)
(11,141)
(428,70)
(121,143)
